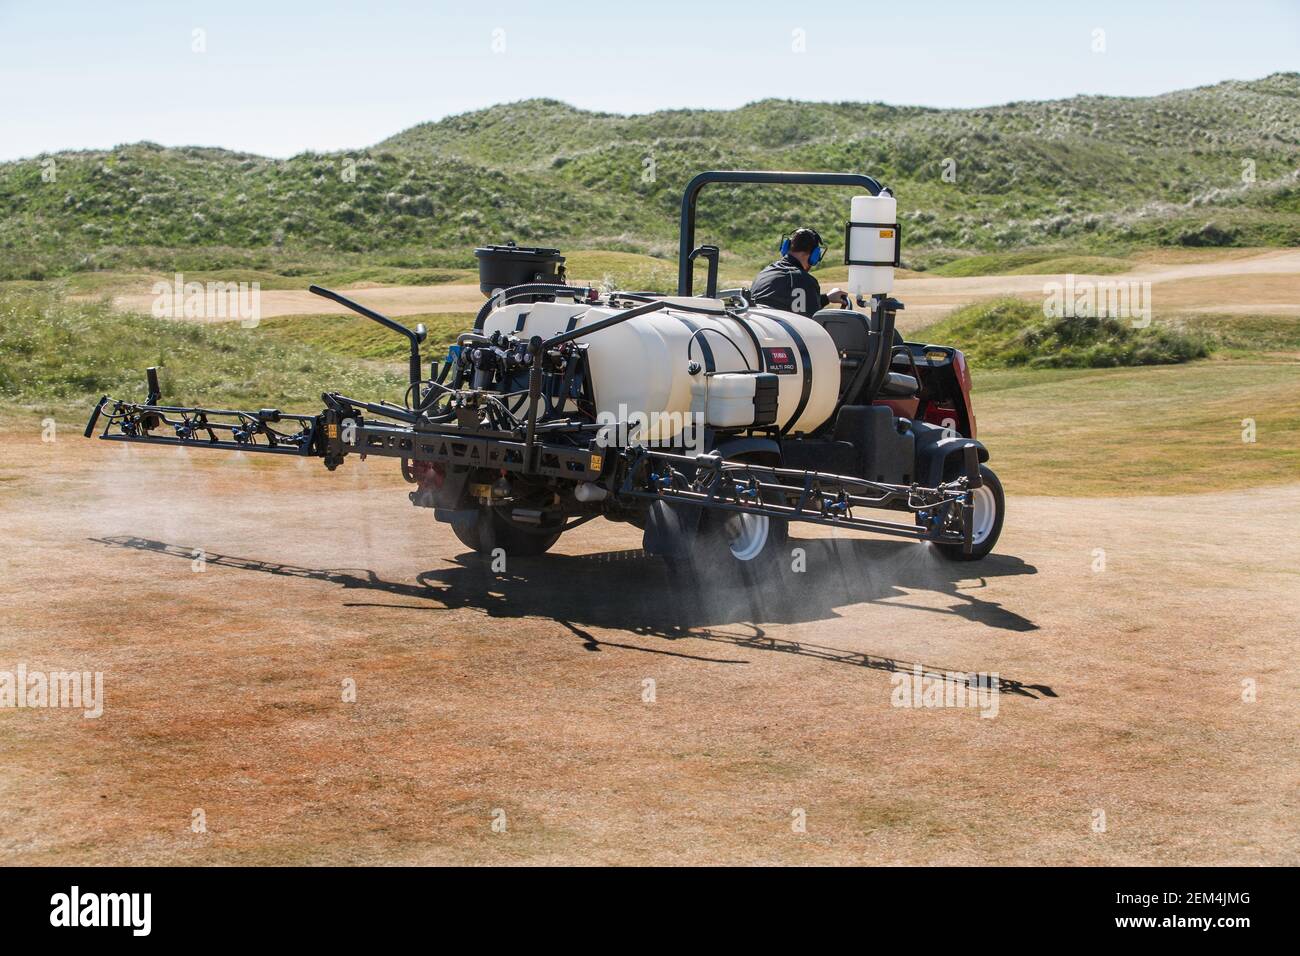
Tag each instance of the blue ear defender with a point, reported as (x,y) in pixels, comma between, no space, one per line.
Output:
(814,257)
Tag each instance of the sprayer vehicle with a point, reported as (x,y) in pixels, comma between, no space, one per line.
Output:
(705,420)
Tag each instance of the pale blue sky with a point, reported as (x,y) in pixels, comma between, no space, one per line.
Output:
(280,78)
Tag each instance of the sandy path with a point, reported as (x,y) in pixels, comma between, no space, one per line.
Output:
(1269,282)
(523,692)
(391,300)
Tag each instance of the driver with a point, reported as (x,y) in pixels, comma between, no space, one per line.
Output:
(787,284)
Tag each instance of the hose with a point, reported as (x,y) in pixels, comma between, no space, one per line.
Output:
(726,338)
(529,288)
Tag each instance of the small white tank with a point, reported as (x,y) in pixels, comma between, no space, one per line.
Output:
(640,366)
(872,237)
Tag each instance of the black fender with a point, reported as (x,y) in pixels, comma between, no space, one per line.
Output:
(936,448)
(752,448)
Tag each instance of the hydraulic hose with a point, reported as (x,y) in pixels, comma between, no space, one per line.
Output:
(529,288)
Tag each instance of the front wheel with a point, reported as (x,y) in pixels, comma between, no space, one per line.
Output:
(986,522)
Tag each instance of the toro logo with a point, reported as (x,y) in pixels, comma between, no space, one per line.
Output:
(779,361)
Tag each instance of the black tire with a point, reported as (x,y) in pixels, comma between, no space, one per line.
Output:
(985,540)
(504,534)
(727,542)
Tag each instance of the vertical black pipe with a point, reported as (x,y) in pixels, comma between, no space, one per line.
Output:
(385,321)
(536,352)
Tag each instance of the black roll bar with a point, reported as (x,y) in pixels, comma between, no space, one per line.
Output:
(686,235)
(414,337)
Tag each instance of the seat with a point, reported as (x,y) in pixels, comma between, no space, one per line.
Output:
(857,341)
(864,358)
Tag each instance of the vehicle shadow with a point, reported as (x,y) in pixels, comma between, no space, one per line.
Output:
(632,592)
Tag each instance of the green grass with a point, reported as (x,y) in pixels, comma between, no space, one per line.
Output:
(58,357)
(989,264)
(356,337)
(1009,332)
(622,270)
(96,262)
(339,278)
(1155,430)
(1245,335)
(113,282)
(1032,262)
(1079,265)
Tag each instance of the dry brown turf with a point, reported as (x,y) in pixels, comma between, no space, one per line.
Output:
(523,691)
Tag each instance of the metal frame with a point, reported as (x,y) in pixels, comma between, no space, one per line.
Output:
(820,498)
(415,337)
(686,237)
(708,481)
(454,445)
(898,243)
(136,421)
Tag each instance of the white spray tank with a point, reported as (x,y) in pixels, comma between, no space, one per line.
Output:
(872,244)
(641,367)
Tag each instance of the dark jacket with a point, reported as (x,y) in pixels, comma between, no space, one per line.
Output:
(775,287)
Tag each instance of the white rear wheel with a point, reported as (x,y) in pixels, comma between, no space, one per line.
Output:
(747,535)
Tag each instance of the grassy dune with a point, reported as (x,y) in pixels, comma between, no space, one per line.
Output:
(1275,337)
(1087,175)
(1032,262)
(1011,332)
